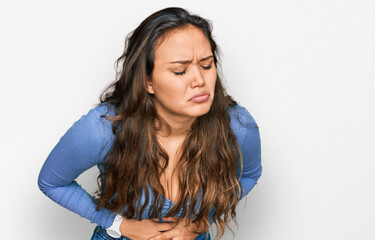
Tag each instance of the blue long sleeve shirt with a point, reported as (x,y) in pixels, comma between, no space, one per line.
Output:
(90,138)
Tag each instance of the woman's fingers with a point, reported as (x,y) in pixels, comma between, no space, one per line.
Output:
(173,219)
(180,231)
(165,226)
(163,236)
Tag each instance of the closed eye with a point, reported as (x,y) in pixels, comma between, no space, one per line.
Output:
(183,72)
(207,67)
(180,73)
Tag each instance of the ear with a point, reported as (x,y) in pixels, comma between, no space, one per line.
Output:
(149,87)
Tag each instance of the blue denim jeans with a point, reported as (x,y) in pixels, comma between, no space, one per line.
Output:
(101,234)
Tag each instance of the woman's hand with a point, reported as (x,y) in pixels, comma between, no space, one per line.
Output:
(144,229)
(180,232)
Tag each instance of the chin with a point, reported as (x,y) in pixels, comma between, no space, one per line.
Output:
(200,110)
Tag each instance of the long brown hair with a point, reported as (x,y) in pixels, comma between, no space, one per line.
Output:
(210,154)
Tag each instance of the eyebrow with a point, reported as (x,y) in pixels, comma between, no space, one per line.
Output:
(189,61)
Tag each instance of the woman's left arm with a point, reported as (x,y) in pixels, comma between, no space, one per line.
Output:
(247,133)
(251,156)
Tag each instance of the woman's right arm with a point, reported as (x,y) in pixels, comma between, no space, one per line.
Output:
(79,149)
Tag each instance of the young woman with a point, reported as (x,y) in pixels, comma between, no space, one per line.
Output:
(176,153)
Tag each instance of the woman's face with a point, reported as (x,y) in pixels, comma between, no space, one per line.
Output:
(183,68)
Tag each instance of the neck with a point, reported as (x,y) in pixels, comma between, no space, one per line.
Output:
(180,125)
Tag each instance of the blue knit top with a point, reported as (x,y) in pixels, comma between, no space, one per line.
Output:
(90,138)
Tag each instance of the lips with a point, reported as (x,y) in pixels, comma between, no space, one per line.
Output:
(197,96)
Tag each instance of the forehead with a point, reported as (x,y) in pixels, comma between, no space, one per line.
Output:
(188,43)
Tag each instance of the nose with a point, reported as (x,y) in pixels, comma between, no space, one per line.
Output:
(198,79)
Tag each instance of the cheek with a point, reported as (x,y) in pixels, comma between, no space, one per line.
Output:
(169,88)
(211,78)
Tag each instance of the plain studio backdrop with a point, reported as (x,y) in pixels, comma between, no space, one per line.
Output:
(305,70)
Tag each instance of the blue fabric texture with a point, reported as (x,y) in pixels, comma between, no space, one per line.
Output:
(90,138)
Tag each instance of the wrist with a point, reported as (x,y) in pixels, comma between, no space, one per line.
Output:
(128,226)
(114,229)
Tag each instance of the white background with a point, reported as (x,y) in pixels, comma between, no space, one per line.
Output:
(305,70)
